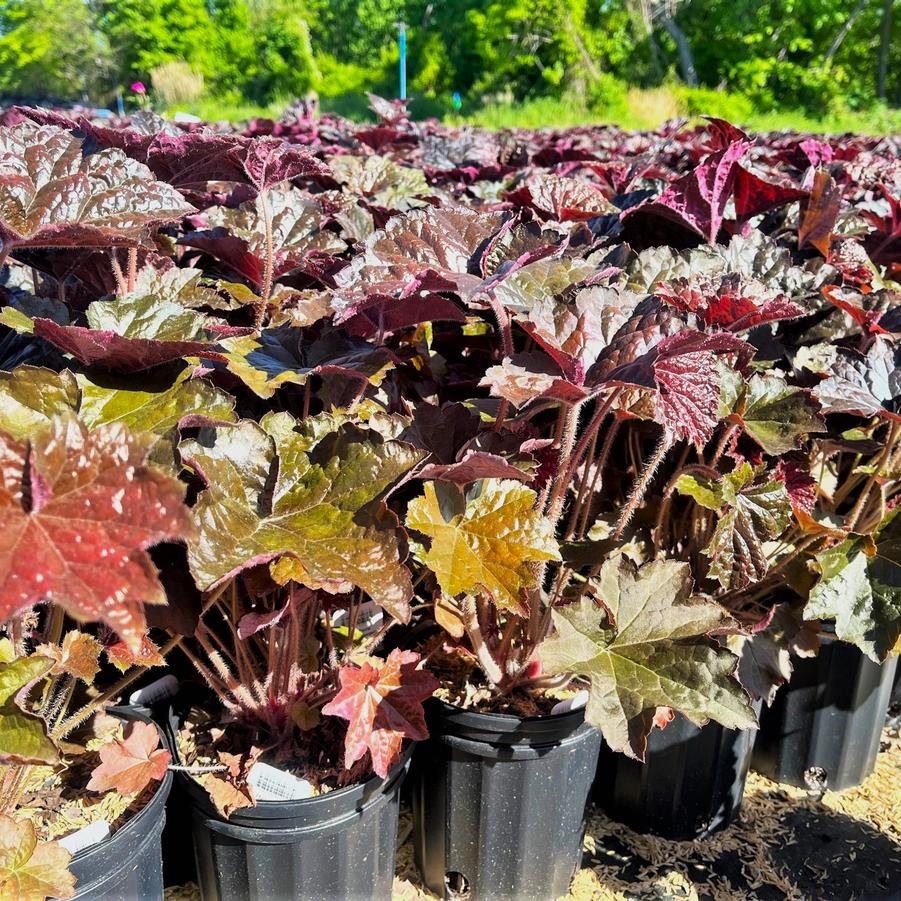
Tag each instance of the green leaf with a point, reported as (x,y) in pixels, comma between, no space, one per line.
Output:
(295,218)
(753,509)
(159,407)
(31,396)
(181,286)
(303,498)
(860,588)
(381,181)
(546,278)
(149,317)
(31,869)
(489,545)
(706,492)
(776,415)
(23,736)
(647,647)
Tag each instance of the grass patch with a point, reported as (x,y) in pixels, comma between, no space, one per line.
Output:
(640,109)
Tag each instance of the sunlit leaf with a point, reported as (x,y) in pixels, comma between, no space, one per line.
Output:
(646,647)
(51,195)
(30,869)
(303,498)
(129,765)
(383,706)
(489,546)
(78,511)
(23,735)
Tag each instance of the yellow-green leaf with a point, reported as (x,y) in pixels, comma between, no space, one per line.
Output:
(489,545)
(32,870)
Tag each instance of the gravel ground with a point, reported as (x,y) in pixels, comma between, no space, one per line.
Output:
(787,845)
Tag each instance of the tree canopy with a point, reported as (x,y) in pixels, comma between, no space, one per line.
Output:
(807,54)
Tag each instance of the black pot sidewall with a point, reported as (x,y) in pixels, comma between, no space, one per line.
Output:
(507,814)
(690,785)
(828,720)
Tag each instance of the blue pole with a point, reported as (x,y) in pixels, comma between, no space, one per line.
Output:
(402,41)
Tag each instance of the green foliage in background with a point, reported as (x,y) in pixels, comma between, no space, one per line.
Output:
(587,59)
(51,48)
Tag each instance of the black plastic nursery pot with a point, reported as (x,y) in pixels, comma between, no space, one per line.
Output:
(338,845)
(824,727)
(690,785)
(176,842)
(499,802)
(128,866)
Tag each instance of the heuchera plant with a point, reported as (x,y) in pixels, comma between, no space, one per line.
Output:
(568,409)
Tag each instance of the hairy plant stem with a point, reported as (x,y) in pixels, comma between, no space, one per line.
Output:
(132,268)
(489,665)
(66,725)
(12,785)
(306,397)
(503,647)
(723,443)
(121,281)
(641,484)
(567,441)
(579,502)
(269,262)
(598,480)
(55,620)
(666,501)
(888,451)
(505,330)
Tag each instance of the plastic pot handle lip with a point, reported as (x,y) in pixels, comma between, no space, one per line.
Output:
(501,728)
(522,750)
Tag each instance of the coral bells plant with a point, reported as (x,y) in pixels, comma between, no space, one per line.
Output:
(343,417)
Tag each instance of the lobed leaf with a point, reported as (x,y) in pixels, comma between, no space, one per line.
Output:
(302,497)
(383,706)
(78,511)
(646,647)
(31,869)
(489,546)
(51,195)
(129,765)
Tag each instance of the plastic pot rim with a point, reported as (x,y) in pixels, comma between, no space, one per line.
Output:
(333,807)
(500,728)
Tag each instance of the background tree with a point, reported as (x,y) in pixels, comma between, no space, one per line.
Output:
(818,56)
(144,34)
(51,49)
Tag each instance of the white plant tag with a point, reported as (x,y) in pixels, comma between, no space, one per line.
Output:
(161,690)
(368,620)
(579,699)
(272,784)
(89,835)
(371,616)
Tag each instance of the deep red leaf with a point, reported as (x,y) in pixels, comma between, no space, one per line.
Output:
(697,201)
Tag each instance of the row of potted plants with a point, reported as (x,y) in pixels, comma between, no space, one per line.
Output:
(501,445)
